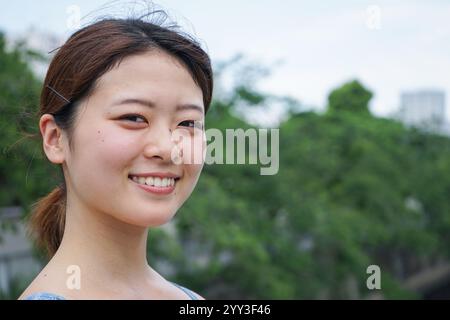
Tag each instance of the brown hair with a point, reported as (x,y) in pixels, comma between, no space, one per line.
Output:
(73,72)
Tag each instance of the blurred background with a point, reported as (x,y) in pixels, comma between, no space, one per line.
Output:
(358,91)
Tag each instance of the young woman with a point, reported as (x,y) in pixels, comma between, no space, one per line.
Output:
(113,97)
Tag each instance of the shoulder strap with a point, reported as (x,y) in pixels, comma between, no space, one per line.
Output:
(190,293)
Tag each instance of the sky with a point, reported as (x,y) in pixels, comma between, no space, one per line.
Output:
(311,47)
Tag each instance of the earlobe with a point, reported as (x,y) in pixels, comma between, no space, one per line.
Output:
(52,141)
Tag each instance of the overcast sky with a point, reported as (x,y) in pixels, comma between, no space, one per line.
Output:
(391,46)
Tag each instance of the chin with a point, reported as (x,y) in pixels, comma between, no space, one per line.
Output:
(149,219)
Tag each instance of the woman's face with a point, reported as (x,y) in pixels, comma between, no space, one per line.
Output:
(124,142)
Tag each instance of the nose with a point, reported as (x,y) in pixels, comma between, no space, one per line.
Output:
(159,143)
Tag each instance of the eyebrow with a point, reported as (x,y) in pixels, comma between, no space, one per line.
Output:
(151,104)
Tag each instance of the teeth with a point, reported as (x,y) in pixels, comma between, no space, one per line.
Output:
(149,181)
(155,181)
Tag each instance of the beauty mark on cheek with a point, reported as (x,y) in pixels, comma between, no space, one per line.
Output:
(98,131)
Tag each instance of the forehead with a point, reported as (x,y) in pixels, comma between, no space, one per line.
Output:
(154,75)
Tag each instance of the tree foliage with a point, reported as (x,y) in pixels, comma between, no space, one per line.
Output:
(24,175)
(351,97)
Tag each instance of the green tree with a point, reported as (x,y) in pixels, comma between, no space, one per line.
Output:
(351,97)
(23,174)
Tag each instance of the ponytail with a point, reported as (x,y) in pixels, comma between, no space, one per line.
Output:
(48,219)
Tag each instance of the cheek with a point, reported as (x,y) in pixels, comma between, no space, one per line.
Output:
(194,169)
(192,174)
(106,149)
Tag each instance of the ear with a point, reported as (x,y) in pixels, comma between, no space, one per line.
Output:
(52,137)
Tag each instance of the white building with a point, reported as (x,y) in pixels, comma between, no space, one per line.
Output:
(424,108)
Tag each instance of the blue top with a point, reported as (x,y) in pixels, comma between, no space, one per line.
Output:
(44,296)
(52,296)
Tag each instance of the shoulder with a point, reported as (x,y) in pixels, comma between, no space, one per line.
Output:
(43,289)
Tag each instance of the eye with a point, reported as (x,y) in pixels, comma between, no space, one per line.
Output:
(192,124)
(134,118)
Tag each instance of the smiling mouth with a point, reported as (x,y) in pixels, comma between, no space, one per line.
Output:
(156,182)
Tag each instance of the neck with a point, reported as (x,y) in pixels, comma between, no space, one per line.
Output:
(110,253)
